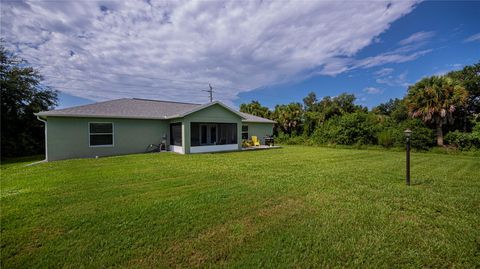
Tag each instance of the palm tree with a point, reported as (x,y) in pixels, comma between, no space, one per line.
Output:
(434,99)
(289,117)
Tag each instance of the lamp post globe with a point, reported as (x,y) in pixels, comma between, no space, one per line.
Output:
(407,133)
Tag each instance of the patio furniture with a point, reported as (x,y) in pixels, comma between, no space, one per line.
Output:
(163,144)
(153,148)
(255,141)
(269,140)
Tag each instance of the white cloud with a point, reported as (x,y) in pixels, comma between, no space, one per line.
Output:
(336,66)
(390,58)
(475,37)
(384,71)
(417,38)
(394,80)
(372,90)
(172,50)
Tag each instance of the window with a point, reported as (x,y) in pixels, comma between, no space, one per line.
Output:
(101,134)
(245,132)
(176,134)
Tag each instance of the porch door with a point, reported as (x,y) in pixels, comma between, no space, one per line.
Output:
(208,134)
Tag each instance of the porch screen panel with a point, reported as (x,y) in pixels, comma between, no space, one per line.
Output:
(176,134)
(221,133)
(227,133)
(195,134)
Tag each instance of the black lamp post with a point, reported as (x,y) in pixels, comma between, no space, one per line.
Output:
(408,134)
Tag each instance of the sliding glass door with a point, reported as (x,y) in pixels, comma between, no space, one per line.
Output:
(208,134)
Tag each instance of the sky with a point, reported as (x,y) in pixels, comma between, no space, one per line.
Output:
(275,52)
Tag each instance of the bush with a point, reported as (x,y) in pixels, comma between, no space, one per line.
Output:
(465,141)
(475,135)
(458,139)
(388,137)
(327,132)
(349,129)
(286,139)
(422,137)
(246,143)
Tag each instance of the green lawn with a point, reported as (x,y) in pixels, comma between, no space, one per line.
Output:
(290,207)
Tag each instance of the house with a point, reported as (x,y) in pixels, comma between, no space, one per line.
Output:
(126,126)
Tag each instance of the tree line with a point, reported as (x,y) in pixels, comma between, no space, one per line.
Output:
(432,107)
(22,94)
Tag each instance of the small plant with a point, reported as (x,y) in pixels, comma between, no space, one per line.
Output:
(247,143)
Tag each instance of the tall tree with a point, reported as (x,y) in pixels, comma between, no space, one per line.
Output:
(22,94)
(310,101)
(342,104)
(311,116)
(346,103)
(394,108)
(255,108)
(469,77)
(434,100)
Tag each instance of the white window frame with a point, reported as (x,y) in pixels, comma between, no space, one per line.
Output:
(101,146)
(245,132)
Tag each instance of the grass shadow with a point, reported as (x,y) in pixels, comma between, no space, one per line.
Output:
(21,160)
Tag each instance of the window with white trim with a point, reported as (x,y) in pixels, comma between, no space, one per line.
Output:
(101,134)
(244,132)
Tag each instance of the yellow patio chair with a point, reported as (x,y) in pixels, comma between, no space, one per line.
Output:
(255,141)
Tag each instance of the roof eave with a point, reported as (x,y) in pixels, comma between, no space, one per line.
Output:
(257,121)
(99,116)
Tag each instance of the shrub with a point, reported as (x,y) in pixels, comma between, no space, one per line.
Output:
(246,143)
(465,141)
(327,132)
(422,137)
(459,139)
(475,135)
(349,129)
(286,139)
(388,137)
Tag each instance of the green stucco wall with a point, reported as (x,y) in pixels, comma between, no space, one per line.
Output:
(259,129)
(68,138)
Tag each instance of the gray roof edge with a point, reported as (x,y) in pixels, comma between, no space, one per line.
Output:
(41,114)
(259,121)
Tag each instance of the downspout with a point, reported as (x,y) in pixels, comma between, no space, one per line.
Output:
(46,144)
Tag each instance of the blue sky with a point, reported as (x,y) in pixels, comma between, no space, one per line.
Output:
(273,52)
(449,23)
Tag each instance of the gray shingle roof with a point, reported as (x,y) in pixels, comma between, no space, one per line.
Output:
(125,108)
(252,118)
(137,109)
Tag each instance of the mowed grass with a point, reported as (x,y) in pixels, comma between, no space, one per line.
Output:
(282,208)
